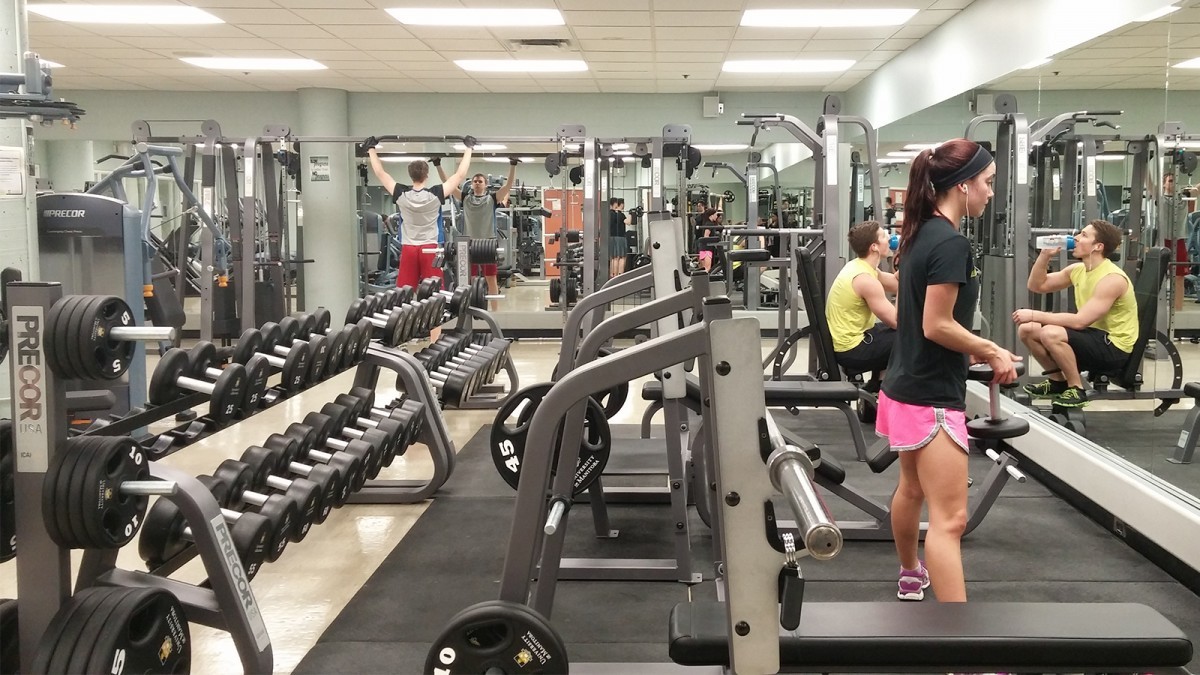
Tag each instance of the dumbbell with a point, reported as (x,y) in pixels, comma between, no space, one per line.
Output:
(407,414)
(372,448)
(277,341)
(267,464)
(390,323)
(321,425)
(298,440)
(227,393)
(338,342)
(165,533)
(384,440)
(287,455)
(318,346)
(393,427)
(294,368)
(239,481)
(202,359)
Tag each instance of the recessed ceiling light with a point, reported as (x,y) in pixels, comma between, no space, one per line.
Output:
(1190,63)
(904,153)
(231,63)
(141,14)
(522,65)
(788,66)
(480,147)
(505,160)
(1038,63)
(720,147)
(826,18)
(1158,13)
(476,16)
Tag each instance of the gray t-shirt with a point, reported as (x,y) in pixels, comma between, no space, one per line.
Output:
(479,214)
(419,210)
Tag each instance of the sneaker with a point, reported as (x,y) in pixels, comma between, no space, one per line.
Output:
(913,583)
(1071,397)
(1046,388)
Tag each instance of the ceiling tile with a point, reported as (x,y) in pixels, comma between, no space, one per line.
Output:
(616,45)
(694,18)
(689,57)
(712,35)
(344,17)
(622,32)
(242,17)
(585,18)
(386,31)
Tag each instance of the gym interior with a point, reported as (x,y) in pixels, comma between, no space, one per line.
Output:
(298,462)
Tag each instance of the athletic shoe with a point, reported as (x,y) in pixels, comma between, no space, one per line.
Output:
(912,583)
(1071,397)
(1046,388)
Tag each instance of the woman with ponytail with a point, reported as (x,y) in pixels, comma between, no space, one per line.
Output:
(923,401)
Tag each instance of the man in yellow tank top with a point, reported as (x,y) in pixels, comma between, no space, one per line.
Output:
(857,299)
(1096,338)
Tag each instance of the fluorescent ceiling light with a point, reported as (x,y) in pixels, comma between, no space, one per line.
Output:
(134,14)
(1190,63)
(1159,13)
(479,147)
(788,66)
(231,63)
(892,160)
(522,65)
(620,146)
(904,153)
(721,147)
(1036,64)
(623,153)
(922,146)
(826,18)
(401,158)
(476,16)
(1111,158)
(505,160)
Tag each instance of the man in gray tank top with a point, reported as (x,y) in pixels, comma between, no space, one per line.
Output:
(479,216)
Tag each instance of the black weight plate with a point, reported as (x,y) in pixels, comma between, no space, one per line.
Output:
(479,297)
(112,518)
(83,353)
(308,323)
(258,370)
(555,289)
(109,356)
(10,656)
(164,381)
(72,325)
(162,533)
(90,627)
(148,634)
(201,357)
(337,352)
(8,497)
(229,395)
(356,311)
(46,644)
(323,320)
(364,339)
(271,336)
(289,328)
(54,336)
(295,369)
(497,636)
(63,642)
(56,492)
(248,344)
(318,354)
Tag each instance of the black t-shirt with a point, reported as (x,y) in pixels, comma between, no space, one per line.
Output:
(616,224)
(922,372)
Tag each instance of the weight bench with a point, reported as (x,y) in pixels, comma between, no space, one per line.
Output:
(932,637)
(790,394)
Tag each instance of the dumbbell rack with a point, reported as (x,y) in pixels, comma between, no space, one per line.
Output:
(44,568)
(414,381)
(490,396)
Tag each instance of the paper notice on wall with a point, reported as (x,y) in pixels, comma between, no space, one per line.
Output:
(555,205)
(319,165)
(12,171)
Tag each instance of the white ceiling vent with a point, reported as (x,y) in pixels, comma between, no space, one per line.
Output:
(542,45)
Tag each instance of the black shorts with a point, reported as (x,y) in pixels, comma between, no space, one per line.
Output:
(1093,351)
(872,353)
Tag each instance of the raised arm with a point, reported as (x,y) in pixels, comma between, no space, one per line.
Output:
(464,166)
(385,179)
(1041,280)
(502,193)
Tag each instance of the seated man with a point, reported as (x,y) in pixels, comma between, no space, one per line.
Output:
(1098,337)
(857,299)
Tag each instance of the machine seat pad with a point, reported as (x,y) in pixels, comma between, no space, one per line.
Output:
(778,394)
(895,636)
(1192,389)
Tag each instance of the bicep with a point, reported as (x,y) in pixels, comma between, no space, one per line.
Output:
(1057,281)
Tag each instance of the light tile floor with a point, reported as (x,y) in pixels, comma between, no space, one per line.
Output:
(307,588)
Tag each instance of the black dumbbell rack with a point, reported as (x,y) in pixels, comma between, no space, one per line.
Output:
(44,568)
(413,380)
(490,396)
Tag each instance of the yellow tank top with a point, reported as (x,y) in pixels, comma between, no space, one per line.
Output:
(1121,322)
(847,314)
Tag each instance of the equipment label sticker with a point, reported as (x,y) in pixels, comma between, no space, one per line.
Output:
(27,332)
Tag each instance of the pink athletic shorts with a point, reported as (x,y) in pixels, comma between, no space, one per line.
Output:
(704,255)
(911,427)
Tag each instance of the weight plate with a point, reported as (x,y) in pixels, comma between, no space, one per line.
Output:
(71,338)
(318,353)
(201,357)
(479,297)
(337,352)
(228,395)
(162,534)
(257,372)
(364,339)
(146,634)
(164,381)
(308,324)
(56,489)
(54,336)
(323,319)
(289,328)
(60,644)
(91,626)
(497,636)
(8,497)
(356,311)
(295,369)
(111,517)
(611,400)
(271,336)
(10,656)
(555,290)
(248,344)
(508,439)
(105,356)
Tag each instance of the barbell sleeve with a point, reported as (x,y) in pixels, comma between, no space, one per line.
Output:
(791,472)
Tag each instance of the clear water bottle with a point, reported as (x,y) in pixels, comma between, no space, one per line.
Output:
(1056,241)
